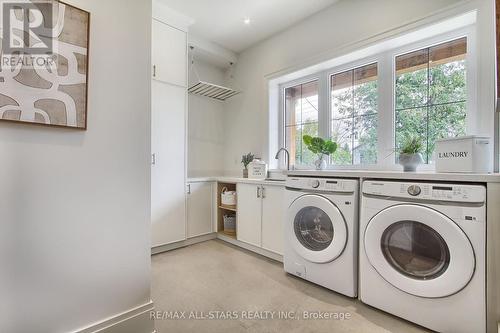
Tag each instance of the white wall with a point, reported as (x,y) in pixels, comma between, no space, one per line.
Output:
(75,206)
(309,42)
(206,126)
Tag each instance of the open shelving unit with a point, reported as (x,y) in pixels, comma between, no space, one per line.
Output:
(224,210)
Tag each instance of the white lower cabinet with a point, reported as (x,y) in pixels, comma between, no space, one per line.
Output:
(200,208)
(260,216)
(273,215)
(249,219)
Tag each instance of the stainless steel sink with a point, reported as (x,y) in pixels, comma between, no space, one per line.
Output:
(276,176)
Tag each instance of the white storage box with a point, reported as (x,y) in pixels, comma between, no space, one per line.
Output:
(257,170)
(468,154)
(228,198)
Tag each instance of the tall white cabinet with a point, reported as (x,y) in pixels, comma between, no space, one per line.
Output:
(168,141)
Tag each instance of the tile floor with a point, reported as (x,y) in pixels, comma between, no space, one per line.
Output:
(212,278)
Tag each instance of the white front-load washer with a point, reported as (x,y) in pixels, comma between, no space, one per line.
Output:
(321,232)
(422,253)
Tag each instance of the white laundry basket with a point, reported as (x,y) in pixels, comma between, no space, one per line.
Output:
(228,198)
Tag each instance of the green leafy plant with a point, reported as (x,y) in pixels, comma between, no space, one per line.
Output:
(320,146)
(412,145)
(247,159)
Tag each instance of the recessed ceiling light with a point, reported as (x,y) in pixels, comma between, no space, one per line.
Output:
(247,20)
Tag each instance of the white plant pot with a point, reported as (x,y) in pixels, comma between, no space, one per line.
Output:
(410,162)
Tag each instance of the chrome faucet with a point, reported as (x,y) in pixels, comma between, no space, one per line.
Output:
(287,157)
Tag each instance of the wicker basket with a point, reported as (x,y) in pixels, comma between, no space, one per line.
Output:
(230,224)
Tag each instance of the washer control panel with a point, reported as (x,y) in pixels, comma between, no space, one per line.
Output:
(426,191)
(414,190)
(322,184)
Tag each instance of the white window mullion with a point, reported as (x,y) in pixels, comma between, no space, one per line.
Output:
(324,107)
(472,84)
(386,116)
(281,130)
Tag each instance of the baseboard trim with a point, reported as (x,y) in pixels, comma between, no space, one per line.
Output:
(251,248)
(136,320)
(181,244)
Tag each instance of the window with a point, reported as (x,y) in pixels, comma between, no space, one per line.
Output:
(354,107)
(302,118)
(431,94)
(371,105)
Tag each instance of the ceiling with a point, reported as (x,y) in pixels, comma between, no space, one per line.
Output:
(221,21)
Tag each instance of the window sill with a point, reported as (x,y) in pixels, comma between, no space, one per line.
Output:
(395,167)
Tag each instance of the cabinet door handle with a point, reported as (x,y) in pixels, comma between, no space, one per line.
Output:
(258,191)
(153,159)
(189,189)
(154,70)
(263,192)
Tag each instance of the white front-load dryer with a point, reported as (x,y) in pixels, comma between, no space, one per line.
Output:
(422,253)
(321,232)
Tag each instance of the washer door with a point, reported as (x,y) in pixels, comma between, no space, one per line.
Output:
(316,229)
(419,251)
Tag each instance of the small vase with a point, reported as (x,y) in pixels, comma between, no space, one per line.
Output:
(320,163)
(245,173)
(410,162)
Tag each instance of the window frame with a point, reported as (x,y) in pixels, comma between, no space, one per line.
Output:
(282,116)
(340,69)
(386,67)
(470,72)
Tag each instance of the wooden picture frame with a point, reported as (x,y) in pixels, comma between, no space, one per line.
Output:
(53,93)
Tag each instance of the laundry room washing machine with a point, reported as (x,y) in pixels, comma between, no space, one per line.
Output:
(321,232)
(423,253)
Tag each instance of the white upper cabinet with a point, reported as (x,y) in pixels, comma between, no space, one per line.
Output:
(273,215)
(169,54)
(200,208)
(249,217)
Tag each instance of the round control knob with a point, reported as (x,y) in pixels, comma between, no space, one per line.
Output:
(315,183)
(414,190)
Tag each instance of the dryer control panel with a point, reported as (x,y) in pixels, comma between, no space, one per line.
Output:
(322,184)
(426,191)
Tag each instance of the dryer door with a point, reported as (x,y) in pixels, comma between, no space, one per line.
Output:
(419,251)
(316,229)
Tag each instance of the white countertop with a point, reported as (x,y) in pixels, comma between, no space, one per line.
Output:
(367,174)
(225,179)
(400,175)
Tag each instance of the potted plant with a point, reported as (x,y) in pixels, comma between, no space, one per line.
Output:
(246,160)
(322,148)
(410,154)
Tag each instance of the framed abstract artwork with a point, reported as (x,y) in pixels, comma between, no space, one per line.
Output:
(44,63)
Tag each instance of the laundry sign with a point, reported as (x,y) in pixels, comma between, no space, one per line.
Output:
(469,154)
(457,154)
